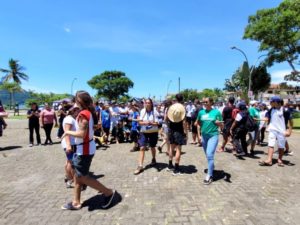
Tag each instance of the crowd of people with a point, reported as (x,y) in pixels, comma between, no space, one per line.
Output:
(84,124)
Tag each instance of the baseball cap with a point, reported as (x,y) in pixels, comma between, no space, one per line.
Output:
(275,99)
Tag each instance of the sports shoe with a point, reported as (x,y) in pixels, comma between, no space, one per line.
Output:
(207,182)
(176,172)
(30,145)
(69,184)
(170,168)
(108,200)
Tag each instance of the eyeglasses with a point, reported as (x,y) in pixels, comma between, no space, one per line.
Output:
(206,102)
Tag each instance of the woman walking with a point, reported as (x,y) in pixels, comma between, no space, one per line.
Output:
(85,150)
(148,120)
(209,120)
(48,116)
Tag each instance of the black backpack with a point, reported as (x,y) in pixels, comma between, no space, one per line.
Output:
(247,122)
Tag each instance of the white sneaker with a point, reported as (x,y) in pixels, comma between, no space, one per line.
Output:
(30,145)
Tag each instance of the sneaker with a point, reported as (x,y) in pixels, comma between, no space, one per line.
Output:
(176,172)
(69,184)
(108,200)
(159,149)
(138,170)
(30,145)
(207,182)
(153,162)
(240,154)
(170,168)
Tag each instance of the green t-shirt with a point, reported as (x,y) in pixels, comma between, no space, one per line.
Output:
(254,113)
(207,121)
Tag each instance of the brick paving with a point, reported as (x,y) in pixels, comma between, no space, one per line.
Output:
(32,188)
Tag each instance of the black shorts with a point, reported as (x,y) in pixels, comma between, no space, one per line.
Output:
(148,138)
(194,128)
(177,138)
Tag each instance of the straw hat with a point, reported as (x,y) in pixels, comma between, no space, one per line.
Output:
(176,112)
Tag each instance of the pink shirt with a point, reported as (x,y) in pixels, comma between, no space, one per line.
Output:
(47,116)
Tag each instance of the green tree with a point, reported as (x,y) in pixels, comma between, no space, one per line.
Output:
(189,94)
(15,72)
(41,98)
(278,31)
(111,84)
(11,87)
(239,82)
(260,79)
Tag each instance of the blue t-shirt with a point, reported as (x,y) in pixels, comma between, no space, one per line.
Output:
(134,124)
(105,118)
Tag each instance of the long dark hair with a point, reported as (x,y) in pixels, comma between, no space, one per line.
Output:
(86,102)
(152,106)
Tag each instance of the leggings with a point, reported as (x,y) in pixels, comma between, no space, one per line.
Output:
(34,127)
(48,128)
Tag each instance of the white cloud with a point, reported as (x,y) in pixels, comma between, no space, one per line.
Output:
(68,30)
(278,77)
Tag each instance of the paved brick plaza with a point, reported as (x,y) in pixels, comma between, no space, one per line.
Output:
(32,188)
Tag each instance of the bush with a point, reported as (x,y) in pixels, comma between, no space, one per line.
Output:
(296,115)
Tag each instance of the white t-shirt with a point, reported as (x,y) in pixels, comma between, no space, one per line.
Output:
(69,120)
(115,112)
(277,122)
(262,115)
(152,117)
(189,110)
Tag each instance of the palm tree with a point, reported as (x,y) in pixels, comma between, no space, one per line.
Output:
(11,87)
(14,72)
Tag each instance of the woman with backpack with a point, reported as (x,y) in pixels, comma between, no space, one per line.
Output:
(238,130)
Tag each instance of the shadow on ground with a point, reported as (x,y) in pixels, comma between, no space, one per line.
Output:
(220,175)
(96,202)
(10,148)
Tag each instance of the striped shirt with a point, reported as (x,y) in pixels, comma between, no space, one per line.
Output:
(86,145)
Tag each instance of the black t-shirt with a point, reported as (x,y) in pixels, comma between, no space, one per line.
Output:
(33,119)
(176,127)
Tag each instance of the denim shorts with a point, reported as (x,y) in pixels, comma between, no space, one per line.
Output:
(71,154)
(148,138)
(81,164)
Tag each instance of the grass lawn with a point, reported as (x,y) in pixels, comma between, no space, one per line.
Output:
(16,117)
(296,123)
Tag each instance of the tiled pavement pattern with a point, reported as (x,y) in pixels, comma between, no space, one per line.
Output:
(32,188)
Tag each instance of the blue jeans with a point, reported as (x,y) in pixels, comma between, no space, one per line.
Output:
(209,144)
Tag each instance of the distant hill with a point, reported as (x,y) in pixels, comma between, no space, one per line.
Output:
(19,98)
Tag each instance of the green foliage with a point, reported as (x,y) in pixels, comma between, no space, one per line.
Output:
(260,79)
(296,115)
(189,94)
(11,87)
(278,31)
(14,72)
(111,84)
(239,82)
(41,98)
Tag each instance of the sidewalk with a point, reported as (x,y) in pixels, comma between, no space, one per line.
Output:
(32,188)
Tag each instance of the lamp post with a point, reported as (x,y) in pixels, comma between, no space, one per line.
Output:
(249,71)
(72,85)
(170,81)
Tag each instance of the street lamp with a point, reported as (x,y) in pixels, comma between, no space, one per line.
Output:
(249,71)
(72,85)
(170,81)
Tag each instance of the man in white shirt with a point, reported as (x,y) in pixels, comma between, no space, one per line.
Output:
(277,131)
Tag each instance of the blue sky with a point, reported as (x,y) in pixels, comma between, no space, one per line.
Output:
(153,42)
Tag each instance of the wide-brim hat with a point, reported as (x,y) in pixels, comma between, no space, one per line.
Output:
(176,113)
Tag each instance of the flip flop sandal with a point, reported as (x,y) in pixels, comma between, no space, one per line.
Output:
(280,164)
(70,206)
(263,163)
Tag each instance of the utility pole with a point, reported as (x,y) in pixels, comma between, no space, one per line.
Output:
(178,84)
